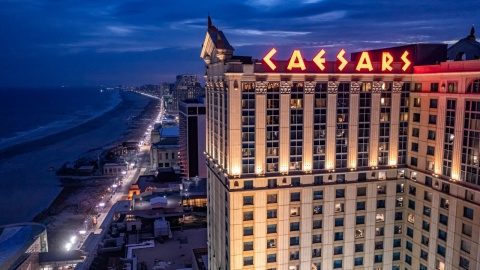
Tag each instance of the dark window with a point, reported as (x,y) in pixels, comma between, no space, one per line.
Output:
(361,191)
(468,212)
(359,220)
(430,150)
(426,211)
(433,103)
(409,245)
(442,235)
(410,232)
(295,196)
(415,132)
(338,222)
(340,193)
(426,226)
(443,219)
(318,194)
(441,250)
(408,259)
(380,204)
(411,204)
(296,182)
(414,147)
(360,206)
(247,200)
(397,243)
(413,161)
(416,117)
(358,247)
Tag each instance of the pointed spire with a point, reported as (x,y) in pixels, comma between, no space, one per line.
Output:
(472,33)
(209,21)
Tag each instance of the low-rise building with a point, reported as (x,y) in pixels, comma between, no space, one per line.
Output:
(114,168)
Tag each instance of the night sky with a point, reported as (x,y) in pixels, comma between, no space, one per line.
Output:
(92,42)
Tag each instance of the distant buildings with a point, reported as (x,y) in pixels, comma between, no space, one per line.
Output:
(164,148)
(369,163)
(192,138)
(185,87)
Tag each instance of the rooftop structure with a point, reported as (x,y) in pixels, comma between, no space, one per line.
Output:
(19,241)
(192,138)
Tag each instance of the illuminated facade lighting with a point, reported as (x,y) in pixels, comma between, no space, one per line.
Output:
(342,164)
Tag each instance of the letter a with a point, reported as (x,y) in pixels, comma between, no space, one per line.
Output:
(296,61)
(364,62)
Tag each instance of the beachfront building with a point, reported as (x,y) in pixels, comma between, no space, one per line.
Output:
(20,245)
(164,149)
(367,163)
(192,138)
(115,168)
(186,87)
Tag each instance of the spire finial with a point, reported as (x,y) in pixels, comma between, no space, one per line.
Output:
(472,33)
(209,20)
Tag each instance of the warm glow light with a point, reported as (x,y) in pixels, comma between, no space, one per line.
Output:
(296,61)
(319,60)
(353,164)
(267,60)
(454,176)
(342,59)
(405,60)
(393,162)
(364,62)
(235,171)
(387,60)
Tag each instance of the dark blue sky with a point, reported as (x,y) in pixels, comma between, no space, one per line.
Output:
(91,42)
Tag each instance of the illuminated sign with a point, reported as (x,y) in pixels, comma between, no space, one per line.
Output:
(364,63)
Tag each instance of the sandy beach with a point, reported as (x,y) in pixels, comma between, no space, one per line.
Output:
(29,187)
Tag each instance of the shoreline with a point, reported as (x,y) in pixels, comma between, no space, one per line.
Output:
(68,209)
(36,144)
(29,187)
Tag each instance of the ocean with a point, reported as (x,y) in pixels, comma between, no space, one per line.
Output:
(29,114)
(43,128)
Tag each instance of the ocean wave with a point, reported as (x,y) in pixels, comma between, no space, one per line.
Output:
(81,116)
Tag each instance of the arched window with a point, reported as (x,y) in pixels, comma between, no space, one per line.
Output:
(460,56)
(474,86)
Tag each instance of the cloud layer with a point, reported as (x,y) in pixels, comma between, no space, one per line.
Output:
(89,42)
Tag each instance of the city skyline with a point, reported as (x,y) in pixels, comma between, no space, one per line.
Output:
(52,43)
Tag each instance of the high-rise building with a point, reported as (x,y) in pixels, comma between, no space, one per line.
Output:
(368,163)
(192,115)
(185,87)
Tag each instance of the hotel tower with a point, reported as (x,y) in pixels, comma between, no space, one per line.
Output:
(366,163)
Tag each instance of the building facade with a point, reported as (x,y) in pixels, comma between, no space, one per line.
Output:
(372,166)
(186,87)
(192,139)
(164,148)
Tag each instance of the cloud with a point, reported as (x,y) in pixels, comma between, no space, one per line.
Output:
(275,3)
(273,33)
(324,17)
